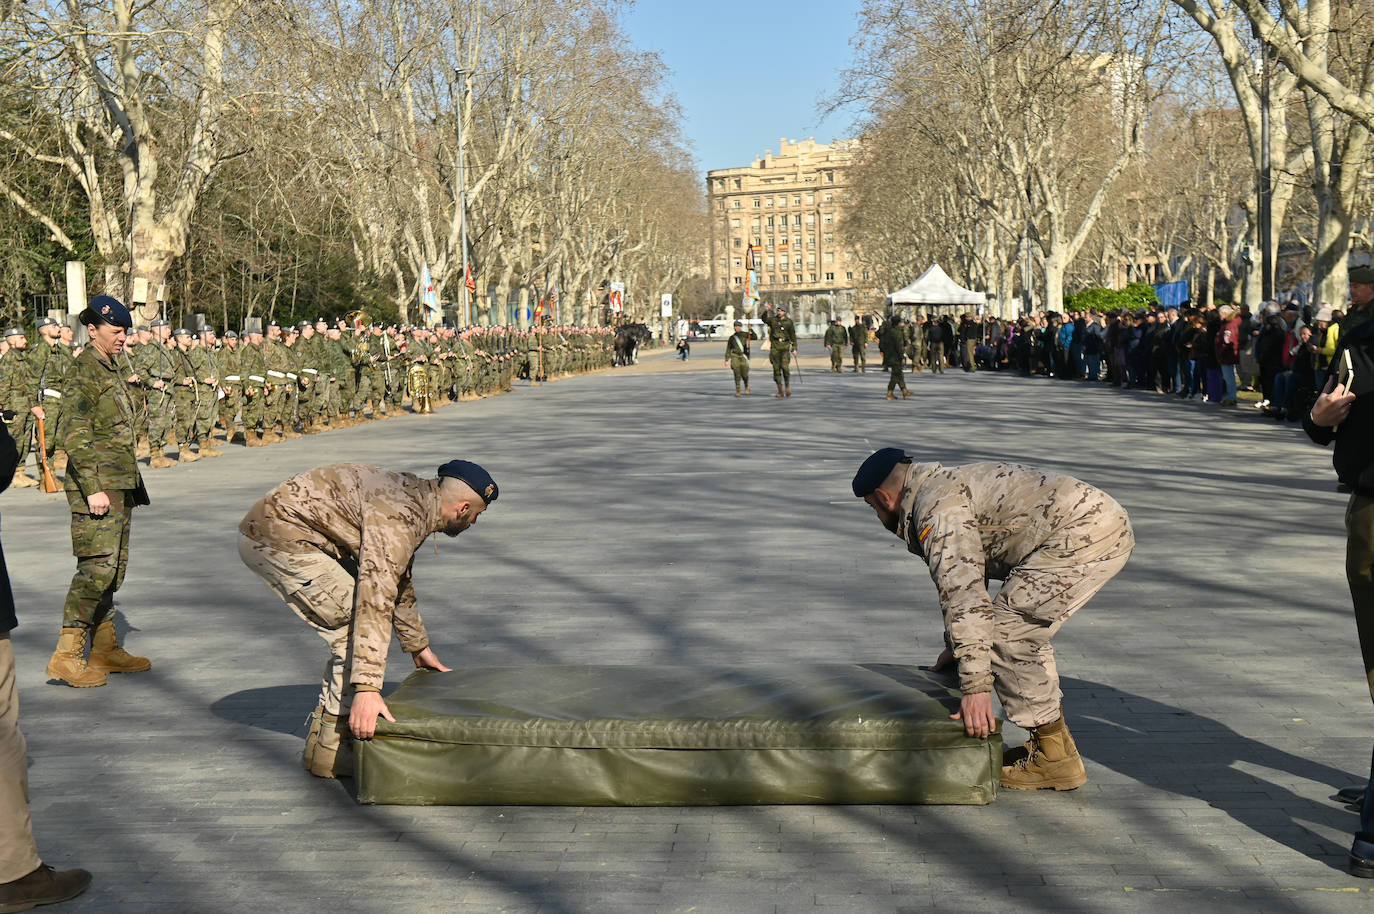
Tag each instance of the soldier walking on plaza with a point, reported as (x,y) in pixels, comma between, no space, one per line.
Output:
(737,355)
(858,344)
(782,342)
(1052,540)
(892,344)
(103,487)
(337,543)
(835,339)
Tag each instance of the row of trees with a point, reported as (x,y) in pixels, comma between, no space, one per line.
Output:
(292,157)
(1045,143)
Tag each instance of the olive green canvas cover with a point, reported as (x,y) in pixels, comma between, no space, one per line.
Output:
(656,736)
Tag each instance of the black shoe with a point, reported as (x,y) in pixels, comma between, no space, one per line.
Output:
(1361,866)
(1351,796)
(47,886)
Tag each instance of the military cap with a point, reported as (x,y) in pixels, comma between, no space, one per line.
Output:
(159,323)
(478,479)
(142,328)
(181,331)
(207,329)
(273,324)
(13,331)
(739,323)
(111,311)
(46,322)
(1292,306)
(1362,275)
(303,324)
(230,335)
(876,469)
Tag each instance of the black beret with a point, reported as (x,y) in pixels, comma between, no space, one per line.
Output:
(111,311)
(876,469)
(478,479)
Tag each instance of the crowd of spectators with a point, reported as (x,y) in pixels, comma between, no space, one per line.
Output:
(1192,353)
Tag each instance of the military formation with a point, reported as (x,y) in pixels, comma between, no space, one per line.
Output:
(193,390)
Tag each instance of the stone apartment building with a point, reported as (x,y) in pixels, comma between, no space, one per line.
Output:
(788,205)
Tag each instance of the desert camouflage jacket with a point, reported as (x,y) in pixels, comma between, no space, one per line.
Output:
(366,516)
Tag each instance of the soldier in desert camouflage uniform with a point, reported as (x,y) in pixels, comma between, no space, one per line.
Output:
(1052,540)
(336,543)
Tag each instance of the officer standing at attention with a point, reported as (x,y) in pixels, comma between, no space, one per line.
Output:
(835,339)
(892,344)
(782,342)
(337,544)
(737,355)
(103,487)
(1052,540)
(1346,416)
(858,344)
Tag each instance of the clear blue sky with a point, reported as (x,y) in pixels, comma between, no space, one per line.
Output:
(748,73)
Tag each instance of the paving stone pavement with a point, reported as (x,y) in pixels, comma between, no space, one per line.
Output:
(1214,687)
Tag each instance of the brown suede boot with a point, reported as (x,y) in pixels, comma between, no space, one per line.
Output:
(144,449)
(1052,761)
(108,657)
(58,461)
(68,662)
(288,431)
(251,438)
(43,886)
(22,480)
(891,395)
(160,460)
(207,449)
(905,394)
(186,455)
(328,746)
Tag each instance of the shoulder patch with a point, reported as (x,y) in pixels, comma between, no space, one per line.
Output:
(925,532)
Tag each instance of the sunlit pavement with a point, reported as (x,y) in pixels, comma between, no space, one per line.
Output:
(648,516)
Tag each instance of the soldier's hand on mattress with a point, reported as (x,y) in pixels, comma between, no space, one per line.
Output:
(426,660)
(976,712)
(367,707)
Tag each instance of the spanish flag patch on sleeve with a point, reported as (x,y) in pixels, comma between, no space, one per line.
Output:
(925,532)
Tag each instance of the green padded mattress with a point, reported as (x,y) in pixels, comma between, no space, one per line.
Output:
(675,736)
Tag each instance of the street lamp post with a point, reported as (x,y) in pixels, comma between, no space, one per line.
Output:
(461,76)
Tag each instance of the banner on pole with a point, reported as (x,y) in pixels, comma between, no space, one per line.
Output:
(665,305)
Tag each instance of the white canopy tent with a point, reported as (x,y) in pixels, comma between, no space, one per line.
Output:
(936,288)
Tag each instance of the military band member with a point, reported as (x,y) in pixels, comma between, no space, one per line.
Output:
(337,544)
(103,487)
(1053,541)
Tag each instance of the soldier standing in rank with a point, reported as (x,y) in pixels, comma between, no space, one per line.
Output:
(185,395)
(737,355)
(1054,542)
(158,371)
(53,361)
(892,344)
(103,487)
(782,342)
(858,344)
(253,374)
(835,340)
(231,385)
(20,403)
(337,544)
(205,360)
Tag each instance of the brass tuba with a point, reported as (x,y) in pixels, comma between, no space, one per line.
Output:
(417,379)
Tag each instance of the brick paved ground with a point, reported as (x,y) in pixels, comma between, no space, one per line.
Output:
(648,516)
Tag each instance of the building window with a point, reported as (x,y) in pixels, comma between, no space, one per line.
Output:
(829,177)
(770,262)
(829,256)
(829,237)
(810,199)
(810,220)
(738,263)
(782,201)
(757,203)
(755,226)
(866,277)
(796,239)
(829,277)
(773,280)
(828,218)
(829,198)
(735,242)
(739,281)
(770,222)
(796,220)
(734,223)
(737,185)
(796,201)
(813,276)
(849,277)
(798,277)
(721,206)
(736,205)
(810,260)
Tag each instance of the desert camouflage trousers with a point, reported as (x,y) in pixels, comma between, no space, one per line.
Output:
(320,591)
(1038,597)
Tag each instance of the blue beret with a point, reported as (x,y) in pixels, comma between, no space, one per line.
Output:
(876,469)
(111,311)
(478,479)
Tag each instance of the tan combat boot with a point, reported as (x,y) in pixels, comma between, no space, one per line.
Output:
(207,449)
(58,461)
(789,390)
(108,657)
(779,394)
(68,662)
(288,431)
(891,395)
(144,449)
(160,460)
(1051,762)
(22,480)
(328,746)
(905,394)
(251,438)
(186,455)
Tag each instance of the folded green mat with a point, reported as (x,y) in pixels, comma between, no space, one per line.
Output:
(675,736)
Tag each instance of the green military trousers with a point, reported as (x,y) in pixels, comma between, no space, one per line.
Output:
(739,367)
(781,357)
(1359,571)
(101,547)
